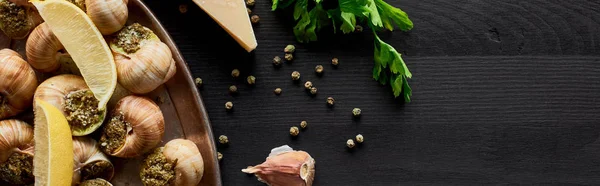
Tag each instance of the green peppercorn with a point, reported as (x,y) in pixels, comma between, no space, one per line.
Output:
(350,143)
(223,139)
(254,19)
(294,131)
(308,85)
(277,61)
(335,62)
(235,73)
(277,91)
(229,105)
(289,49)
(319,69)
(295,75)
(233,89)
(360,138)
(330,101)
(198,82)
(356,112)
(249,11)
(303,124)
(251,80)
(219,156)
(289,57)
(313,90)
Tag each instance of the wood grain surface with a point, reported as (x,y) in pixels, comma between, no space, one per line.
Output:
(504,92)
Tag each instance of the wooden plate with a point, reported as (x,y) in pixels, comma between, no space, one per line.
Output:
(179,100)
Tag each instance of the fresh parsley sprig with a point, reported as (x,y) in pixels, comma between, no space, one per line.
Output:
(313,15)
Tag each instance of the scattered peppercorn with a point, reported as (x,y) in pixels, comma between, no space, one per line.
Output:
(294,131)
(223,139)
(159,100)
(358,28)
(183,8)
(356,112)
(277,91)
(254,19)
(350,143)
(219,156)
(289,57)
(303,124)
(330,101)
(360,138)
(313,90)
(250,3)
(233,89)
(308,85)
(249,11)
(235,73)
(229,105)
(295,75)
(277,61)
(335,62)
(289,49)
(251,80)
(319,69)
(198,82)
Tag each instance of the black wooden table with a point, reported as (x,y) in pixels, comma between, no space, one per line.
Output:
(504,92)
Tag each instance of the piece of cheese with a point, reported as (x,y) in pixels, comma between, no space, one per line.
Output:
(233,17)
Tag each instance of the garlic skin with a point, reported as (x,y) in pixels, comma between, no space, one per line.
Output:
(285,167)
(43,49)
(16,138)
(55,90)
(90,160)
(17,84)
(109,16)
(141,124)
(190,164)
(143,69)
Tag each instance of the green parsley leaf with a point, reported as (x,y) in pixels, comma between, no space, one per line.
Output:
(348,22)
(387,57)
(391,14)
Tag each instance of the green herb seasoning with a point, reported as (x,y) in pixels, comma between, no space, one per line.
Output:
(95,182)
(130,37)
(81,109)
(13,18)
(114,134)
(18,169)
(157,170)
(98,169)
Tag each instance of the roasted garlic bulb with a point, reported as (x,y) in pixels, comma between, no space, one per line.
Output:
(143,61)
(285,167)
(16,21)
(178,163)
(17,84)
(136,126)
(73,97)
(109,16)
(90,162)
(44,50)
(16,152)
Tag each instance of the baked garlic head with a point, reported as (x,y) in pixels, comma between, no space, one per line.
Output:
(143,61)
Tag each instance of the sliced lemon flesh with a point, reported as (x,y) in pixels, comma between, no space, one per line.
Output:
(84,42)
(53,156)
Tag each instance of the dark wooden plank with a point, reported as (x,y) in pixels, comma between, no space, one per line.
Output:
(530,118)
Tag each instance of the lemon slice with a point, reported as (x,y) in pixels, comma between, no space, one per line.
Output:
(84,42)
(53,156)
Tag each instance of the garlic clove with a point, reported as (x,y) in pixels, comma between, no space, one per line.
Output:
(136,127)
(285,167)
(143,61)
(109,16)
(75,100)
(16,152)
(90,162)
(44,50)
(189,168)
(18,82)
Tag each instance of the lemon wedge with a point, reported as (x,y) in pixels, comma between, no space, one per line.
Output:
(53,156)
(84,42)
